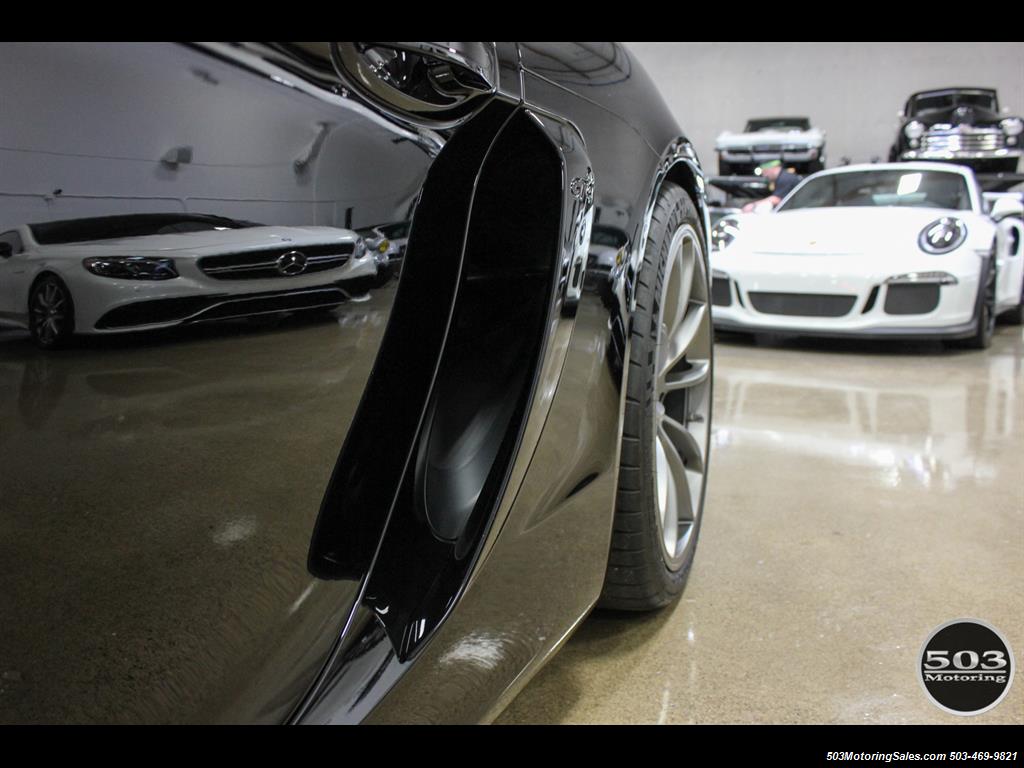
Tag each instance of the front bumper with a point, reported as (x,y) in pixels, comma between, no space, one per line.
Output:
(105,305)
(961,331)
(868,306)
(803,155)
(962,154)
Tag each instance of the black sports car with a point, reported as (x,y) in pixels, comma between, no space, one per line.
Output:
(391,507)
(959,125)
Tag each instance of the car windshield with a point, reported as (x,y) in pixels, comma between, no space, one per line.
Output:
(778,124)
(927,102)
(131,225)
(880,189)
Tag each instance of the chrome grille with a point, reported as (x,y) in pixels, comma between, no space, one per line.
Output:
(261,264)
(963,139)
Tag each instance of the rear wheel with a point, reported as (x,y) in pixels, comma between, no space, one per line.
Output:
(51,313)
(666,425)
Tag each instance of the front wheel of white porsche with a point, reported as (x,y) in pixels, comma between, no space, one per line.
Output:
(985,315)
(667,417)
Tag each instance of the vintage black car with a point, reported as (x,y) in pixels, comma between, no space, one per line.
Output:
(959,125)
(394,508)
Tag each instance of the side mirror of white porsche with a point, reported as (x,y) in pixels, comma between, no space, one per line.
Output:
(1003,206)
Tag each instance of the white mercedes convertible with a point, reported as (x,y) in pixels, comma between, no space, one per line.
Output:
(113,274)
(900,250)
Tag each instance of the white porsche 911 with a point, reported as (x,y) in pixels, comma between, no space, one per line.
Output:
(133,272)
(898,250)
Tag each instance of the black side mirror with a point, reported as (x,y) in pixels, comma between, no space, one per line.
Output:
(6,251)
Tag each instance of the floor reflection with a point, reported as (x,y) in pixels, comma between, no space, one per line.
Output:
(129,468)
(860,495)
(932,421)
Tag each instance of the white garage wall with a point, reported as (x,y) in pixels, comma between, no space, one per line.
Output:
(851,90)
(98,138)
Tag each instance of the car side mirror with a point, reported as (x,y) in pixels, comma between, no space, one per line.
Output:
(1000,207)
(900,114)
(6,251)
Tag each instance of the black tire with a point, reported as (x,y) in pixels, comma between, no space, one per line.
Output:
(1015,316)
(51,313)
(641,574)
(985,315)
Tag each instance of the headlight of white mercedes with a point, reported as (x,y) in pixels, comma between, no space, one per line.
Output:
(942,235)
(132,267)
(1012,126)
(914,129)
(723,233)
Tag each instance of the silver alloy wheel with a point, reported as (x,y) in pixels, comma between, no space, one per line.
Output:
(49,311)
(682,392)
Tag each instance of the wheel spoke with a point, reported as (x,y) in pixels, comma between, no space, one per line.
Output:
(685,443)
(668,501)
(678,344)
(680,481)
(677,295)
(698,373)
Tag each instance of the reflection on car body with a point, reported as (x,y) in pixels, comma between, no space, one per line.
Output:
(142,271)
(319,521)
(387,242)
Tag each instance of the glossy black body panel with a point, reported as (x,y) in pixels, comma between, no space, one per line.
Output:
(158,490)
(394,508)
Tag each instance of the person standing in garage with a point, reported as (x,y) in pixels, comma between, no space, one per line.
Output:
(781,183)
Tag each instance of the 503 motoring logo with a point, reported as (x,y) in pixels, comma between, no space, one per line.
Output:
(966,667)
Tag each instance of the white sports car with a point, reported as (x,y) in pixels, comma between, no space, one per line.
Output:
(142,271)
(882,250)
(790,139)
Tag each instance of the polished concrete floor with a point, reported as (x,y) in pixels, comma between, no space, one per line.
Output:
(860,495)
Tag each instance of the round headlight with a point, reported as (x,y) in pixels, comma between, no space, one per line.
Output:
(942,235)
(1012,126)
(914,129)
(723,233)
